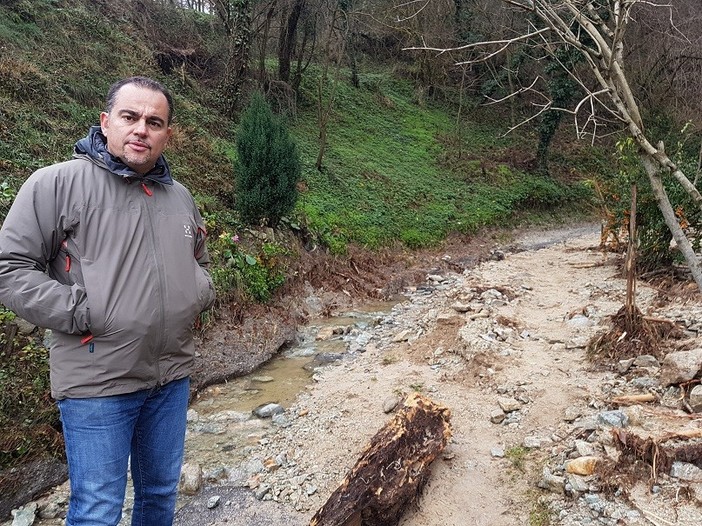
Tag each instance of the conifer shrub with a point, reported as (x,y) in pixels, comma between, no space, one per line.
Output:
(267,167)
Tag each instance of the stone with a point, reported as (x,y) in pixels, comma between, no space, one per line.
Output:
(268,410)
(509,405)
(497,452)
(584,448)
(402,336)
(25,515)
(497,416)
(24,327)
(572,413)
(624,365)
(646,360)
(581,465)
(696,399)
(213,502)
(613,419)
(681,366)
(686,471)
(190,478)
(324,334)
(390,404)
(532,442)
(552,482)
(461,307)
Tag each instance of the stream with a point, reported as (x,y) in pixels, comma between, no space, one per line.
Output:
(222,427)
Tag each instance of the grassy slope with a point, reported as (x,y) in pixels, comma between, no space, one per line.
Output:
(392,169)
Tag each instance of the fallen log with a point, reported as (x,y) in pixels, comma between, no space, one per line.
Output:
(392,470)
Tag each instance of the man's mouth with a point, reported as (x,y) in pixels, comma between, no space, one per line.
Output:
(138,146)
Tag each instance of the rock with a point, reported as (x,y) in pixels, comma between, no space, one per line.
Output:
(582,465)
(402,336)
(24,327)
(577,483)
(281,420)
(580,321)
(681,366)
(613,419)
(497,416)
(509,404)
(624,365)
(696,399)
(21,484)
(551,482)
(262,491)
(190,479)
(579,342)
(390,404)
(268,410)
(213,502)
(635,414)
(686,471)
(325,333)
(646,360)
(532,442)
(584,449)
(25,515)
(461,307)
(497,452)
(572,413)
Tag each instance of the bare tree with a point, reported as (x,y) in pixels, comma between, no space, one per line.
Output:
(596,29)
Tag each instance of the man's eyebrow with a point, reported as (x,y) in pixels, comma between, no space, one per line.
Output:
(133,113)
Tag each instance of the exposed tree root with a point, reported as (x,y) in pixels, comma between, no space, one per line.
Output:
(658,454)
(632,334)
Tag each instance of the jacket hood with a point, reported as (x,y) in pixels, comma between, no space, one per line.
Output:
(94,147)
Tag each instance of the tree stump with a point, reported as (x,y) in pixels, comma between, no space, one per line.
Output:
(392,469)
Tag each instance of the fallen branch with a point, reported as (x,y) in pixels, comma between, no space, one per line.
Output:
(634,399)
(392,469)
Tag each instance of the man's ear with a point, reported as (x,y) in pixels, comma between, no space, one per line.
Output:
(104,120)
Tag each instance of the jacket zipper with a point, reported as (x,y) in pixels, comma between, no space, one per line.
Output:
(161,281)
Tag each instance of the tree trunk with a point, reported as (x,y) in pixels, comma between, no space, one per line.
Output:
(288,36)
(631,267)
(652,168)
(392,469)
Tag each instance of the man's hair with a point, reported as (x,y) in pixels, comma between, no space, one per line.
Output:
(142,82)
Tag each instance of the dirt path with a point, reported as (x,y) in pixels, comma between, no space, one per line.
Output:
(511,346)
(511,331)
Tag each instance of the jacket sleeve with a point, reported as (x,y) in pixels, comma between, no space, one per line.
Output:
(203,257)
(30,237)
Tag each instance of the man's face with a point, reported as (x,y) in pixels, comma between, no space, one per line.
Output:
(137,127)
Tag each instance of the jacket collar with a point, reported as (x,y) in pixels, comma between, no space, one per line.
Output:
(94,147)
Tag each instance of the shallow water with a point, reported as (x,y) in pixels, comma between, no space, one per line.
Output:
(222,428)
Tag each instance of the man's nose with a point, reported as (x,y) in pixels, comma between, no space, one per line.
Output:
(140,127)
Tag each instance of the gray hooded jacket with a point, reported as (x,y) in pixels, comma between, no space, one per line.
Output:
(111,262)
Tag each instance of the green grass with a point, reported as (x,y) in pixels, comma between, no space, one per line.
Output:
(386,176)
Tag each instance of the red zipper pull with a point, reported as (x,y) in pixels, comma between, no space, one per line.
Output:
(147,190)
(64,244)
(85,339)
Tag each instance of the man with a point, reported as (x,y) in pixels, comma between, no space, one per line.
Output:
(106,251)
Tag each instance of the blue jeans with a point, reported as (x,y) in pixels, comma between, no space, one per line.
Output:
(101,433)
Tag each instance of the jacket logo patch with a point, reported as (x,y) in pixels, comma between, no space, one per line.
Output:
(188,230)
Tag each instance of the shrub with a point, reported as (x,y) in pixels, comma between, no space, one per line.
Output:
(267,166)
